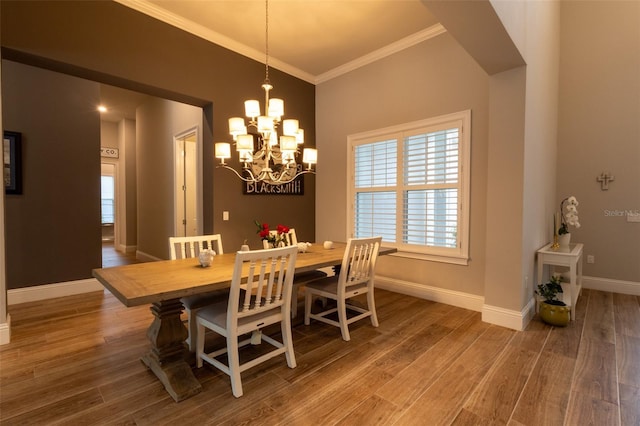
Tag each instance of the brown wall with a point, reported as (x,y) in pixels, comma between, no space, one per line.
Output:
(157,122)
(109,43)
(53,228)
(127,131)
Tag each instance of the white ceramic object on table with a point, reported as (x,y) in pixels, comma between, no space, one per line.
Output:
(206,257)
(302,247)
(328,245)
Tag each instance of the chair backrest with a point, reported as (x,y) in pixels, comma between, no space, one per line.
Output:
(185,247)
(290,238)
(268,285)
(359,261)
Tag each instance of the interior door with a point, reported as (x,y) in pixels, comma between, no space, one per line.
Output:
(186,185)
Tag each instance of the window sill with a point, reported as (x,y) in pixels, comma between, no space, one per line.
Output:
(454,260)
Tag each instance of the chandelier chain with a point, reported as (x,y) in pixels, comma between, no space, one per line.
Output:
(266,38)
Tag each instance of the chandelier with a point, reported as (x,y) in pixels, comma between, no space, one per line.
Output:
(265,156)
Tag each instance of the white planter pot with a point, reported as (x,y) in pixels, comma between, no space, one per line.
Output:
(564,240)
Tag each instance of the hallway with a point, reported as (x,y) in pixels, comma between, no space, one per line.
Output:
(112,257)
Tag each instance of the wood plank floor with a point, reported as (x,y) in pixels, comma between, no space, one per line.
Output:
(75,361)
(112,257)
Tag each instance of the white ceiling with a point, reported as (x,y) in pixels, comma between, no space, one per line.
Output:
(120,103)
(310,39)
(314,40)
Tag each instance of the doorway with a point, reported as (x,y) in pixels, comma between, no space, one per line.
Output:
(108,201)
(109,218)
(186,184)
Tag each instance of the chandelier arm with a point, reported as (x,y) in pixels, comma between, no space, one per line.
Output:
(282,182)
(252,179)
(272,180)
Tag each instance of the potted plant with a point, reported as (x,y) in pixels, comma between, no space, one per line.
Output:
(568,216)
(553,311)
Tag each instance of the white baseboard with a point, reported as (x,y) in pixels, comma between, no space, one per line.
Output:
(127,249)
(436,294)
(614,286)
(5,331)
(50,291)
(144,257)
(515,320)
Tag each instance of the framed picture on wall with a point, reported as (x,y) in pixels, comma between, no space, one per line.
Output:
(12,164)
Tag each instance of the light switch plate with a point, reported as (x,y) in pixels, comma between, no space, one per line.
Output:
(225,215)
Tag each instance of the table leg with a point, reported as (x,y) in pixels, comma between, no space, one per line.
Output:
(167,357)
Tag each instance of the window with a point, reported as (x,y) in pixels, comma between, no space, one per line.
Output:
(107,198)
(410,184)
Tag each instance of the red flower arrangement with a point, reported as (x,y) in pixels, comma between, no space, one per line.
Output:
(265,233)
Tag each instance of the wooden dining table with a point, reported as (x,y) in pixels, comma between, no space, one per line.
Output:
(163,283)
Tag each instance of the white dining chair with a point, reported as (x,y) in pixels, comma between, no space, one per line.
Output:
(188,247)
(300,279)
(264,301)
(356,277)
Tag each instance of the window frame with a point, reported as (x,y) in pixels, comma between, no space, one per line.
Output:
(462,120)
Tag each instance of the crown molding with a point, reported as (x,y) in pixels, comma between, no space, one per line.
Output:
(405,43)
(205,33)
(150,9)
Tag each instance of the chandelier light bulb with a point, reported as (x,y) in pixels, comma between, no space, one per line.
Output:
(265,124)
(236,126)
(288,144)
(310,156)
(272,137)
(244,143)
(246,156)
(276,108)
(222,150)
(252,108)
(290,127)
(287,158)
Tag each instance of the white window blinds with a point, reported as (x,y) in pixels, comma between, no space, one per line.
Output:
(410,185)
(376,164)
(375,171)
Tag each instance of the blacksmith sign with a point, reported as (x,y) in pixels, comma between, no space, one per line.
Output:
(295,187)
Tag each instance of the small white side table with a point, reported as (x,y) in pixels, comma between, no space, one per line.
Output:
(570,257)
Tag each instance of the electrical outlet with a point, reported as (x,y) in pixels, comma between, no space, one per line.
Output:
(225,215)
(591,258)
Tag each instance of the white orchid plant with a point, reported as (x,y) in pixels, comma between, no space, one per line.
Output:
(568,214)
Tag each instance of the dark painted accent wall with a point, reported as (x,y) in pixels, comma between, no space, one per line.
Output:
(112,44)
(52,228)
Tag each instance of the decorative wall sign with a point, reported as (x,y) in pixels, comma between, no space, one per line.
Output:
(109,152)
(12,164)
(295,187)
